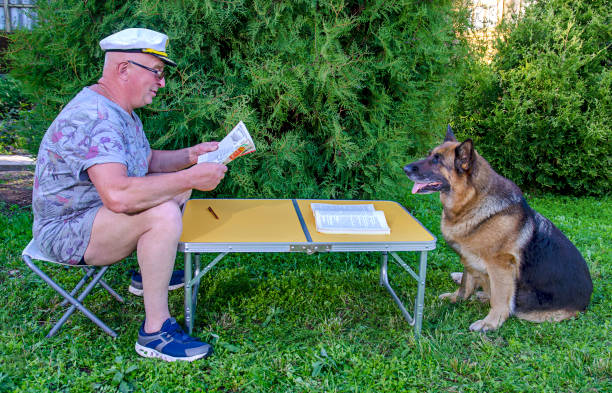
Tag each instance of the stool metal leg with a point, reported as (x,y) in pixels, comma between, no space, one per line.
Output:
(90,272)
(76,303)
(86,276)
(111,291)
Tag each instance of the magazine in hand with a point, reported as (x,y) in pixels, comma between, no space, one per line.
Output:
(235,144)
(349,219)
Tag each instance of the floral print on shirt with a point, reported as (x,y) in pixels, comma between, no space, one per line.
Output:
(90,130)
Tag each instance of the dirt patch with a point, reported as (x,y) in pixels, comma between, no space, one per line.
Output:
(16,187)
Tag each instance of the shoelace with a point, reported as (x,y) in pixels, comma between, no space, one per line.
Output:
(175,330)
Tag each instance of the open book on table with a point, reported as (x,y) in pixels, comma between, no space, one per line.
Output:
(349,219)
(235,144)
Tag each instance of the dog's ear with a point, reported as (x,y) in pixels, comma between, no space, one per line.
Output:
(450,137)
(464,156)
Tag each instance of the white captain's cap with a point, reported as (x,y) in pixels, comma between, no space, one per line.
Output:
(138,41)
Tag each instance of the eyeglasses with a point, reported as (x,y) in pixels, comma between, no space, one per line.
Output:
(159,74)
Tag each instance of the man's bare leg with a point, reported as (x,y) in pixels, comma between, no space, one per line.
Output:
(154,233)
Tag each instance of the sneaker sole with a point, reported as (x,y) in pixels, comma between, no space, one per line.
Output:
(139,292)
(152,353)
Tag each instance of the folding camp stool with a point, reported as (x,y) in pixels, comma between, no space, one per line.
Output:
(95,273)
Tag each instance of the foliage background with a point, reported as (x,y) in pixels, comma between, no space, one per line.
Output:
(12,105)
(335,93)
(541,112)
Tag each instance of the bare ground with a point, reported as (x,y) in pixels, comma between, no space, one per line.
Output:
(16,187)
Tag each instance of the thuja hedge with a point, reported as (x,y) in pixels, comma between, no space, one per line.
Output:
(335,93)
(541,113)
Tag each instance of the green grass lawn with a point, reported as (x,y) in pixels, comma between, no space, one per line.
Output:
(299,323)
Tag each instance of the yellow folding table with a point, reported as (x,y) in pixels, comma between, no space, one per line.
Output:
(287,225)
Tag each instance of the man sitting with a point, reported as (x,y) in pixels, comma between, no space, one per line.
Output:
(95,199)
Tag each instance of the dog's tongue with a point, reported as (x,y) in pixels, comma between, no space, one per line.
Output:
(417,187)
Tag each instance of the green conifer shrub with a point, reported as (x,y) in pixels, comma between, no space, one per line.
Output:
(541,113)
(12,105)
(336,94)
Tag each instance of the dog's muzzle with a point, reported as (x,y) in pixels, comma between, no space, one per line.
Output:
(422,184)
(411,169)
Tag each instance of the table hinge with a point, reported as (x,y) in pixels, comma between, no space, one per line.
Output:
(310,248)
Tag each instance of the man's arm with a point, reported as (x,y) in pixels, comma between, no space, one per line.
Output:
(121,193)
(164,161)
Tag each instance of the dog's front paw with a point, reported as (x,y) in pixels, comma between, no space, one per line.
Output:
(451,296)
(483,296)
(491,322)
(482,326)
(456,277)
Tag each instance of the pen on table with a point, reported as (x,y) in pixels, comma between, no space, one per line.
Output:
(213,212)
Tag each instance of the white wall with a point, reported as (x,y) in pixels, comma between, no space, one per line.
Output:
(486,14)
(16,14)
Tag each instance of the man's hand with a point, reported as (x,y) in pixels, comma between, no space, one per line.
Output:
(199,149)
(164,161)
(207,175)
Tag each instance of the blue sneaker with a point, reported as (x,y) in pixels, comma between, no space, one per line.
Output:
(171,344)
(176,281)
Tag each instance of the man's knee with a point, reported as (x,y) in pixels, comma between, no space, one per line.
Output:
(167,217)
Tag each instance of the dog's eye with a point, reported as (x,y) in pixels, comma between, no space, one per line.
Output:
(435,159)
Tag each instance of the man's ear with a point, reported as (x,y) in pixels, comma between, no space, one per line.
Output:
(464,157)
(122,70)
(450,137)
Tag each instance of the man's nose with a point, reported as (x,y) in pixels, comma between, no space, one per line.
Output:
(162,82)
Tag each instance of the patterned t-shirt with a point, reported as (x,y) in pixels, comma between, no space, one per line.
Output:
(90,130)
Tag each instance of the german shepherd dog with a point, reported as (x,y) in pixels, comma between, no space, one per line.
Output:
(523,263)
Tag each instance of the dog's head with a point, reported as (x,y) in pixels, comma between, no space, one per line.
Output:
(445,166)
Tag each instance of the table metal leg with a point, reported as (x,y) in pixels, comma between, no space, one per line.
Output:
(188,294)
(420,299)
(194,288)
(384,281)
(192,283)
(197,277)
(419,303)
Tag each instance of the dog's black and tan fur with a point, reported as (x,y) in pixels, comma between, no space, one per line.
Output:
(524,264)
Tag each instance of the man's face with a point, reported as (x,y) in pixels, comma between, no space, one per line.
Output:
(143,82)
